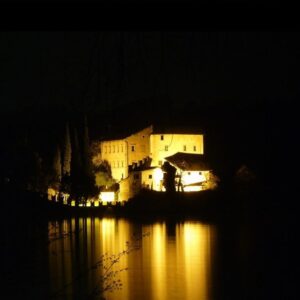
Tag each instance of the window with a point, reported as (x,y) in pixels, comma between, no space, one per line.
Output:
(195,148)
(161,137)
(189,173)
(132,148)
(184,147)
(166,148)
(118,164)
(113,149)
(118,149)
(109,149)
(160,162)
(200,173)
(105,149)
(150,176)
(122,148)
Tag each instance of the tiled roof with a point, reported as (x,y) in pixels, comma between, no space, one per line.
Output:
(188,161)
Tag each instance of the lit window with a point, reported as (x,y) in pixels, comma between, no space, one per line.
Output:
(161,137)
(166,148)
(184,148)
(132,148)
(194,148)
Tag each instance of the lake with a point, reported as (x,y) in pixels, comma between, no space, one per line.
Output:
(138,258)
(162,260)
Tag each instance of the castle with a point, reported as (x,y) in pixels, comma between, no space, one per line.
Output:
(136,160)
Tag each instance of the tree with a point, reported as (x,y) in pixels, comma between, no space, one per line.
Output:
(56,174)
(82,175)
(67,152)
(88,176)
(103,175)
(57,164)
(212,182)
(169,177)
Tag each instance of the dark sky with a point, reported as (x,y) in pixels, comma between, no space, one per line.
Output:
(105,69)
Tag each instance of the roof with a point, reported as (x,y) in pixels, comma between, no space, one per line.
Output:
(188,161)
(122,132)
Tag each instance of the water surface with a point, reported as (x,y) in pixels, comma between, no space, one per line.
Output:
(158,260)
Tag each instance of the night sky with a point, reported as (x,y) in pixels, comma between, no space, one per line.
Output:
(238,86)
(103,70)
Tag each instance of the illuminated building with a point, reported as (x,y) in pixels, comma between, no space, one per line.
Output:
(135,160)
(121,153)
(192,171)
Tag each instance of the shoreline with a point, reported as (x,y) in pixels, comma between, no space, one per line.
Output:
(211,205)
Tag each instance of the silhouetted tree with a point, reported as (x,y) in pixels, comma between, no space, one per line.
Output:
(169,177)
(88,176)
(82,175)
(67,152)
(57,164)
(76,168)
(66,184)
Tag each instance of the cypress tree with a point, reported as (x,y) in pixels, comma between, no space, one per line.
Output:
(88,178)
(76,168)
(67,152)
(54,173)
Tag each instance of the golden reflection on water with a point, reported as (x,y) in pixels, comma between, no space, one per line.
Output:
(158,261)
(172,262)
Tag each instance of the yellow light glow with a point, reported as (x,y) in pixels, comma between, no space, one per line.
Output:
(73,203)
(192,188)
(107,196)
(52,193)
(174,262)
(88,203)
(159,260)
(192,177)
(96,203)
(114,236)
(188,143)
(158,174)
(195,239)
